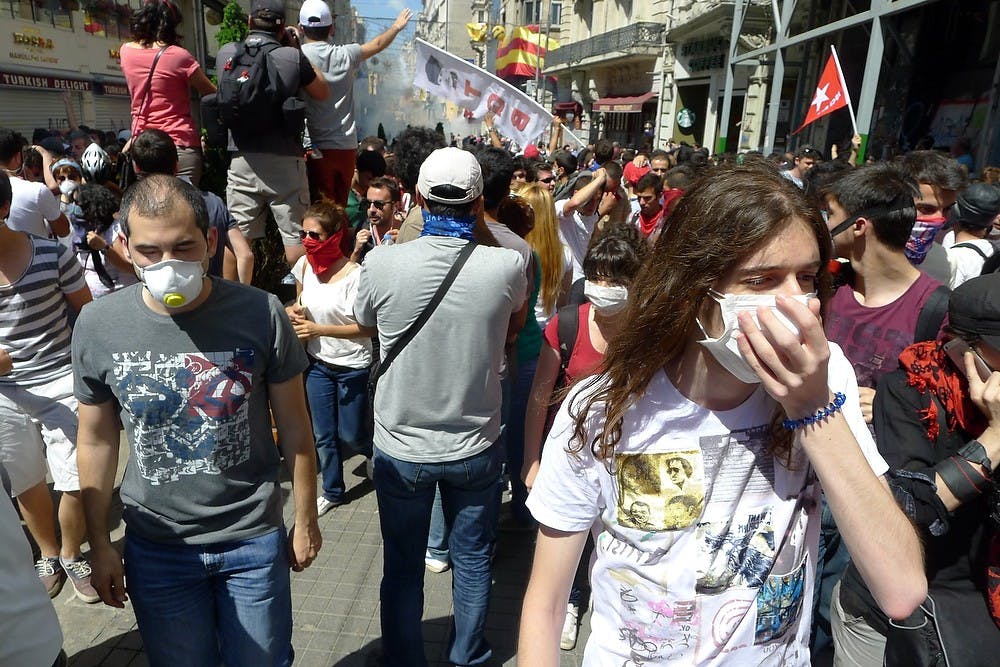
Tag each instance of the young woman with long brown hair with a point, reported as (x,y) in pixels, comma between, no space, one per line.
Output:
(713,561)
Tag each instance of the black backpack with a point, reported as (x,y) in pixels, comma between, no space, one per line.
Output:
(249,101)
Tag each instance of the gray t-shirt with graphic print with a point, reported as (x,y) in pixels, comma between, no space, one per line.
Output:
(193,394)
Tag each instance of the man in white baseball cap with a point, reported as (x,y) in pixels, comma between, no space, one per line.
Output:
(446,433)
(331,123)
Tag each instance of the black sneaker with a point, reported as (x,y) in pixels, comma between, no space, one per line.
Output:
(52,575)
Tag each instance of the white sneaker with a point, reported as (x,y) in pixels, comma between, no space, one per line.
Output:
(567,641)
(324,505)
(435,565)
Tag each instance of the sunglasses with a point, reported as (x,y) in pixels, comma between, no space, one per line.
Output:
(315,236)
(547,180)
(364,204)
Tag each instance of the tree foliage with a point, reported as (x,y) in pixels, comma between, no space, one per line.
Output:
(234,24)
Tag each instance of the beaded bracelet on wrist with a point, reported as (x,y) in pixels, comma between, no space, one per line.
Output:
(820,415)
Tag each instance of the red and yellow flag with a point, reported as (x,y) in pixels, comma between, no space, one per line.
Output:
(519,53)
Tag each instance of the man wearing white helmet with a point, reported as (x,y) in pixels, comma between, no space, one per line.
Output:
(331,124)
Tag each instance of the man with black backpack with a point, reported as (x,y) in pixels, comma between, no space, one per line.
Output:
(259,79)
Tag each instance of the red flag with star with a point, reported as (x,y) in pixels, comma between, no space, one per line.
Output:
(831,94)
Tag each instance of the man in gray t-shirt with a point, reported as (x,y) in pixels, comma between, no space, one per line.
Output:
(194,368)
(437,409)
(267,170)
(333,132)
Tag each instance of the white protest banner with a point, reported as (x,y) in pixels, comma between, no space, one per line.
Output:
(517,115)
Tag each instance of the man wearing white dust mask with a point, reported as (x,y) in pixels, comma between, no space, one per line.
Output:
(198,366)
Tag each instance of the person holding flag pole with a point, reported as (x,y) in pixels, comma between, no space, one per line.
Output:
(831,94)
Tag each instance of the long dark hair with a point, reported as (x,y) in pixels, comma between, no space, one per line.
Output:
(156,21)
(721,220)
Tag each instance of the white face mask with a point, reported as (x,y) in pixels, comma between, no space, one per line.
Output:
(68,187)
(173,282)
(606,300)
(724,348)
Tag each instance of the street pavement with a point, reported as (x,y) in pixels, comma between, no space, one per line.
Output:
(335,602)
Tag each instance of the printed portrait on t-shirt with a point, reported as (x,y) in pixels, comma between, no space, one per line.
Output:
(660,491)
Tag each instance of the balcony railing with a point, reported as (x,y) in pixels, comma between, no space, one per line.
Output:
(635,38)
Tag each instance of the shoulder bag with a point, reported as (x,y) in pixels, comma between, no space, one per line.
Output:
(126,172)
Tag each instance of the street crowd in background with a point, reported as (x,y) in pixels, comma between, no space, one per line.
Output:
(749,404)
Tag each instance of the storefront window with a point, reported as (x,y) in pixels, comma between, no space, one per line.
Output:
(19,9)
(50,12)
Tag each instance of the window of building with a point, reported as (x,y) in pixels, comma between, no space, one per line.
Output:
(532,11)
(555,13)
(54,12)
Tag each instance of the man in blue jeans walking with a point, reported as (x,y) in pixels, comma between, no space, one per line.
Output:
(194,367)
(437,409)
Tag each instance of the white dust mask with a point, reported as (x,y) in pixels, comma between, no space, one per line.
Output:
(173,282)
(68,187)
(724,348)
(606,300)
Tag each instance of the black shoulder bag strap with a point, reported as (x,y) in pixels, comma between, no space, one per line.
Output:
(932,315)
(144,105)
(567,328)
(972,246)
(463,256)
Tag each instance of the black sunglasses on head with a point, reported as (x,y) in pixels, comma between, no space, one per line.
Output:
(547,180)
(315,236)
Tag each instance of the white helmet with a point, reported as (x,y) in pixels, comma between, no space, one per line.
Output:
(95,165)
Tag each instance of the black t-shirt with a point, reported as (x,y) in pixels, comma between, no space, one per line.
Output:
(955,543)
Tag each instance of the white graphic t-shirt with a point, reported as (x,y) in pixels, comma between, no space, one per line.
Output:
(705,545)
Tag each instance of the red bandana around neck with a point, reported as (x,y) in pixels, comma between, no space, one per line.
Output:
(648,225)
(928,369)
(322,255)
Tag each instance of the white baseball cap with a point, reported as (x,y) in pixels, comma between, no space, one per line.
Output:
(450,167)
(315,14)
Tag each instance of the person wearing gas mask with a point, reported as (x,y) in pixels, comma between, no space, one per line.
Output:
(198,366)
(33,209)
(575,340)
(940,178)
(721,360)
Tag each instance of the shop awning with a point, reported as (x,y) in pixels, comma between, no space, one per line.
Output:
(621,104)
(574,107)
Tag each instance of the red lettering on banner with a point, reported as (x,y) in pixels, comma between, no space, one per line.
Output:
(495,104)
(519,119)
(470,91)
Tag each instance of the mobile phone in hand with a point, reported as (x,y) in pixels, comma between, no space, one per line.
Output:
(956,348)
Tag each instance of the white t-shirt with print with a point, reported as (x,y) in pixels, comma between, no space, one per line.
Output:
(333,303)
(705,545)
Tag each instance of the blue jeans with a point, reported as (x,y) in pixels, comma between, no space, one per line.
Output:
(437,538)
(405,493)
(202,604)
(520,393)
(337,403)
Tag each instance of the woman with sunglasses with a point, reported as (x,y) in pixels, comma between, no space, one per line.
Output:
(938,422)
(339,348)
(720,361)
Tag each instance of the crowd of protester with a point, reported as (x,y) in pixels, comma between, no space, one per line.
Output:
(746,402)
